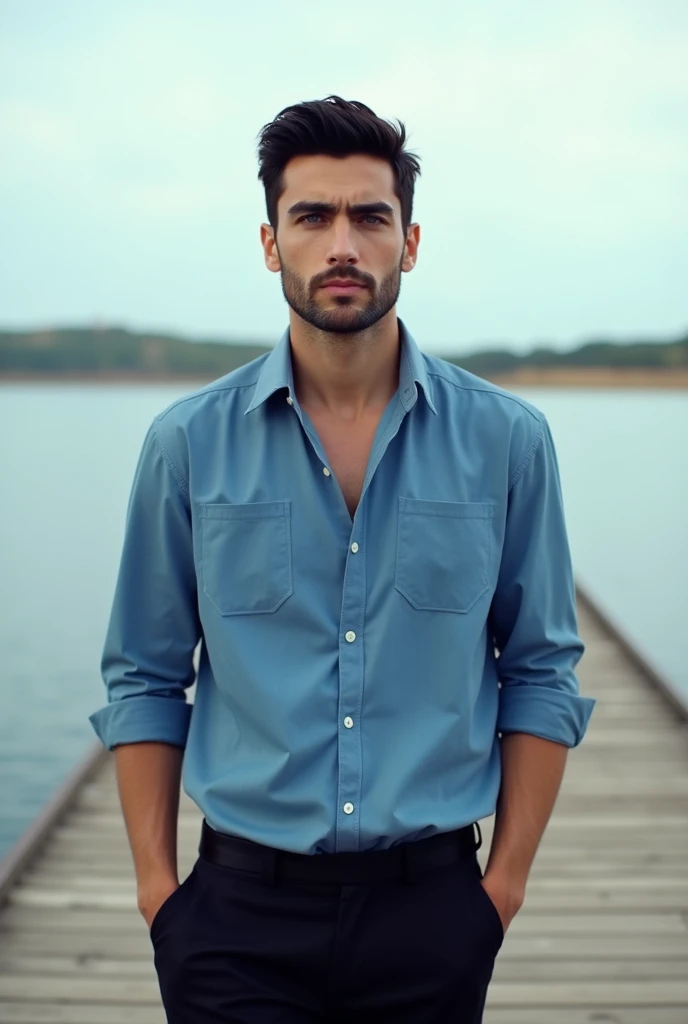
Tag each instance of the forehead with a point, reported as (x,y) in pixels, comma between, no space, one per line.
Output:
(356,179)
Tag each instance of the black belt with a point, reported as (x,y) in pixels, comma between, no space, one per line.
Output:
(402,861)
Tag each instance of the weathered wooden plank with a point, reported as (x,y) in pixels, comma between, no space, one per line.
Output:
(603,804)
(589,1014)
(612,970)
(136,991)
(83,966)
(84,945)
(85,1013)
(654,785)
(649,994)
(617,822)
(667,739)
(609,771)
(608,759)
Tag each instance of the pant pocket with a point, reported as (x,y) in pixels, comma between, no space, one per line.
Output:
(168,914)
(489,911)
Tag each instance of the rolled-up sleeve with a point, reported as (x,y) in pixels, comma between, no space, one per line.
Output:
(533,614)
(147,662)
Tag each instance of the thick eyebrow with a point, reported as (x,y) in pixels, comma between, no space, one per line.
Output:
(307,206)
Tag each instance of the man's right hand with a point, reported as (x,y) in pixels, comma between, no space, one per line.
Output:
(148,779)
(151,898)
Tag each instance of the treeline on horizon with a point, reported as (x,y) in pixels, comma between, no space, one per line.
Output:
(117,351)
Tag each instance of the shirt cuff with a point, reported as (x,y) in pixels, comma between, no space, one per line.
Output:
(143,720)
(541,711)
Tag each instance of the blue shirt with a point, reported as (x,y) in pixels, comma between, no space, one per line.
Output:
(354,676)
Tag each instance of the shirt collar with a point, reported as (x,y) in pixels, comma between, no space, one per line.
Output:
(412,371)
(276,373)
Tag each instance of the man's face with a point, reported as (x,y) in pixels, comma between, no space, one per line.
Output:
(340,247)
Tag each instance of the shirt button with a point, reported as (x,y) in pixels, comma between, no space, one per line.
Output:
(326,471)
(349,722)
(290,400)
(350,636)
(348,808)
(354,547)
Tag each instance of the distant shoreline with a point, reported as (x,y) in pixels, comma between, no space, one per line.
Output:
(549,377)
(594,377)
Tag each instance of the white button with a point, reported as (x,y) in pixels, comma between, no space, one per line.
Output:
(354,547)
(290,400)
(349,722)
(348,808)
(326,471)
(350,636)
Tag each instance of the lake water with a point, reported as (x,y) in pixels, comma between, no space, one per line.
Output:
(66,462)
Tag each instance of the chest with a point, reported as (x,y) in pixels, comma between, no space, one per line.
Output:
(348,449)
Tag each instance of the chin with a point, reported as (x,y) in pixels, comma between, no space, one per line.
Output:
(345,320)
(342,303)
(343,317)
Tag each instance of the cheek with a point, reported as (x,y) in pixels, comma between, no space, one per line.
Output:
(306,255)
(384,251)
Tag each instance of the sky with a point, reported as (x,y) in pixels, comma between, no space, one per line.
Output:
(553,200)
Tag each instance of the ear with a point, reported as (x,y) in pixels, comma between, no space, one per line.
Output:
(267,240)
(411,247)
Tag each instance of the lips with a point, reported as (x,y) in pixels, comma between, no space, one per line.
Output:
(342,287)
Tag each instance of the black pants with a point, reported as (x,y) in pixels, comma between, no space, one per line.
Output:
(233,946)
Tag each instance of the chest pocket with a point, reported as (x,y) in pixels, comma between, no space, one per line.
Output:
(444,553)
(246,566)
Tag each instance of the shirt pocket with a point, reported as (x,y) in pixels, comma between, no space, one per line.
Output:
(246,562)
(444,553)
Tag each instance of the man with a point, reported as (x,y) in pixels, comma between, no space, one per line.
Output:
(370,545)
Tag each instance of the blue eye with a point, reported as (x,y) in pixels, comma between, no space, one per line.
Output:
(315,218)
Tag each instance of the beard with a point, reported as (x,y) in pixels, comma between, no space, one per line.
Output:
(344,319)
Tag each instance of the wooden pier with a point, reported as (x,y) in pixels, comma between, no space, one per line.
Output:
(602,937)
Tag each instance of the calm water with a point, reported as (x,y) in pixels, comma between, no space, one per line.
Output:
(66,463)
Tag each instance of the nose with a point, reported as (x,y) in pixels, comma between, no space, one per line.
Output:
(342,247)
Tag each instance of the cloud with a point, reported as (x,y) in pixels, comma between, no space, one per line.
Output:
(554,143)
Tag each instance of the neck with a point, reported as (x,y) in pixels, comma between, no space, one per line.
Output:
(346,376)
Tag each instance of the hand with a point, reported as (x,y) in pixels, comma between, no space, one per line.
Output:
(151,899)
(507,897)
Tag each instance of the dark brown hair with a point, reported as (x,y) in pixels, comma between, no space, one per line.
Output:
(339,128)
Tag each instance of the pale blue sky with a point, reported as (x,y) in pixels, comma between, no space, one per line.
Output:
(554,138)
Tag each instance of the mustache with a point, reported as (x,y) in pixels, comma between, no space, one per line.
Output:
(343,274)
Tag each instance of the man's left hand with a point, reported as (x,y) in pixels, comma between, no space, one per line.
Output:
(506,895)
